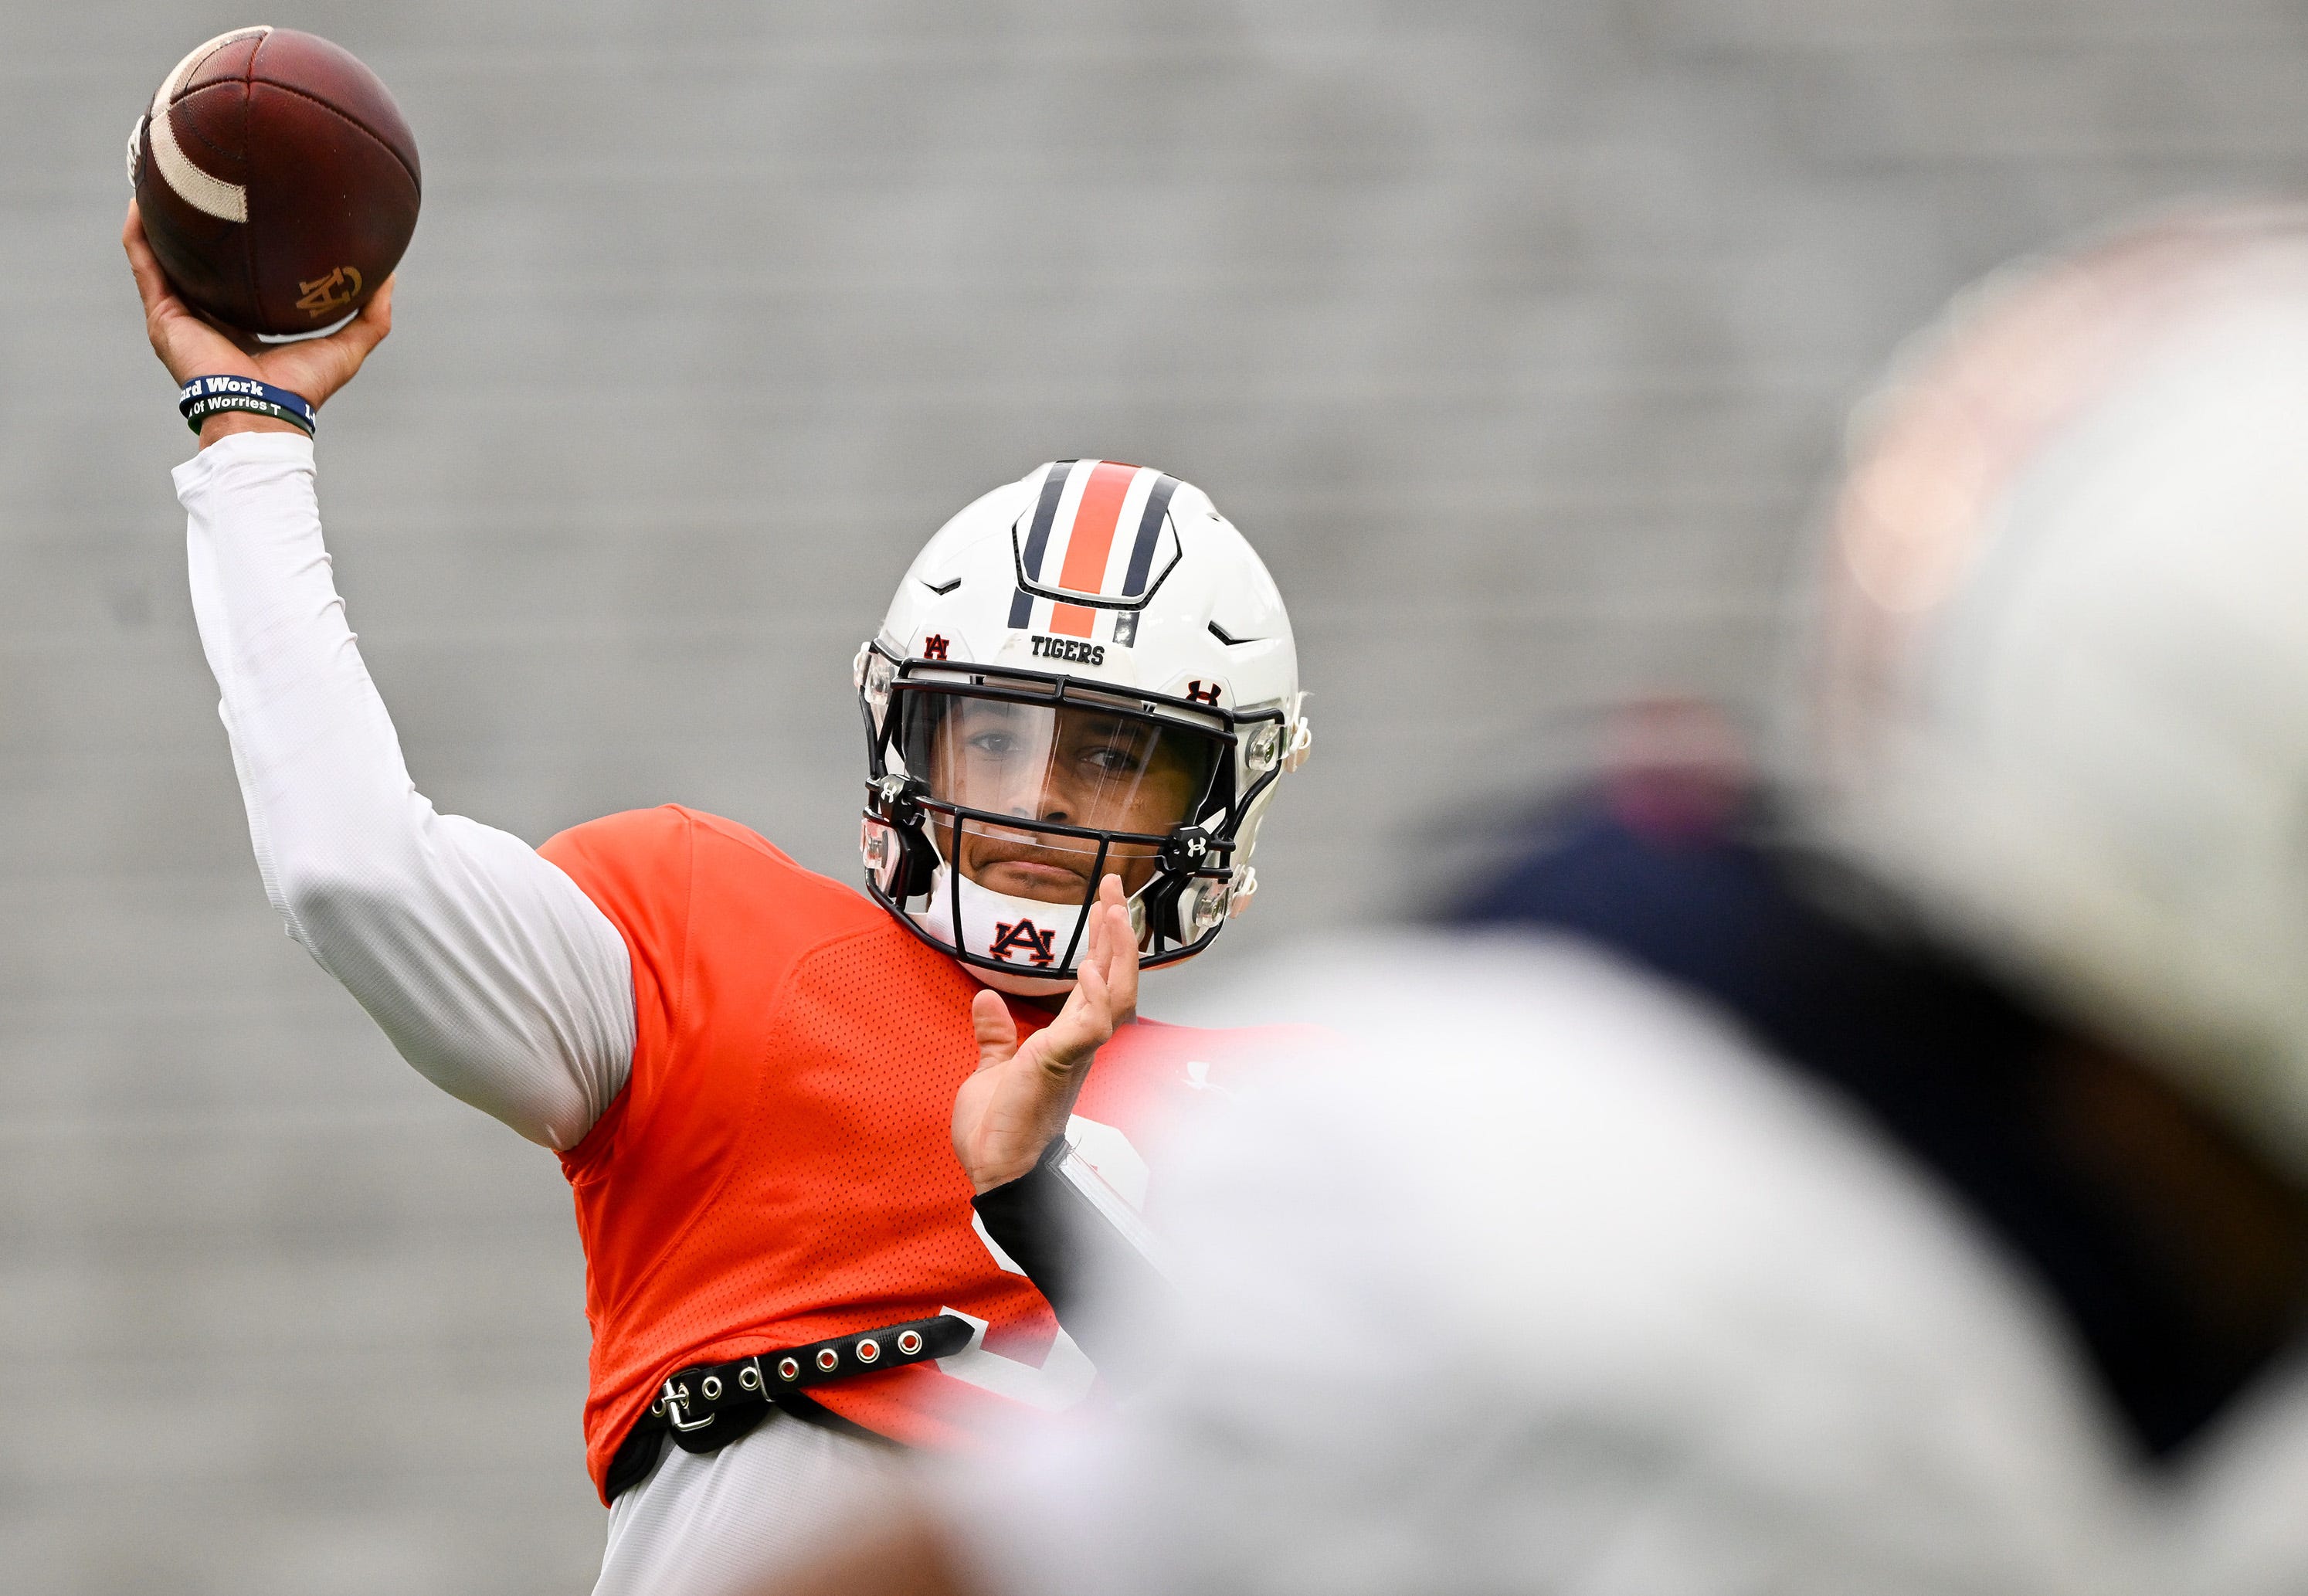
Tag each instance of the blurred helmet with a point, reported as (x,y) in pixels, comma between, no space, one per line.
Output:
(2060,691)
(1086,672)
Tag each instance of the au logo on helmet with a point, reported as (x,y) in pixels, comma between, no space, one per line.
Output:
(1010,936)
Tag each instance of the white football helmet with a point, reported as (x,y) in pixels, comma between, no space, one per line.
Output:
(2060,688)
(1086,672)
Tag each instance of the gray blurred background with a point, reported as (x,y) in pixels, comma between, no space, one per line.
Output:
(1517,337)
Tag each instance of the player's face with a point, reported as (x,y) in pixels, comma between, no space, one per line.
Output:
(1068,766)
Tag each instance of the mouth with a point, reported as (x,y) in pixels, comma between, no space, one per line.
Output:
(1004,861)
(1024,871)
(1019,878)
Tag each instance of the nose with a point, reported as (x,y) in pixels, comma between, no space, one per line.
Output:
(1046,802)
(1061,799)
(1045,795)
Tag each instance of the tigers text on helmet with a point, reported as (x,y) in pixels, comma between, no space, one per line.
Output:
(2059,694)
(1086,672)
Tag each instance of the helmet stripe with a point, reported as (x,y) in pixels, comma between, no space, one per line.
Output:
(1100,527)
(1045,510)
(1149,533)
(1089,541)
(1038,541)
(1084,571)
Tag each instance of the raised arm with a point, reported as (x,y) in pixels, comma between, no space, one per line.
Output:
(491,972)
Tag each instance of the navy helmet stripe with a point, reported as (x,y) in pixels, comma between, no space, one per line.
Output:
(1038,542)
(1053,487)
(1149,533)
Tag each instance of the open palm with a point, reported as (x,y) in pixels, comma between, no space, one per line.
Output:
(1006,1114)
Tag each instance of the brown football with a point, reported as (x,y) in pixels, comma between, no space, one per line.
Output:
(276,181)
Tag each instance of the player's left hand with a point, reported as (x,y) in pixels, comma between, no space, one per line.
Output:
(1006,1114)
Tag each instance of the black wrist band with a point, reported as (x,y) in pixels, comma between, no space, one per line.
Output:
(202,409)
(206,396)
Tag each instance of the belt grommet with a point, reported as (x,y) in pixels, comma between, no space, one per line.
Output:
(712,1386)
(829,1361)
(788,1370)
(749,1377)
(909,1341)
(868,1349)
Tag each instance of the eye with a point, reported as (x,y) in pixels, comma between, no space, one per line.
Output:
(993,745)
(1115,759)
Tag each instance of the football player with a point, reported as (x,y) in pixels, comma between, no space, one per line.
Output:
(758,1079)
(1955,1239)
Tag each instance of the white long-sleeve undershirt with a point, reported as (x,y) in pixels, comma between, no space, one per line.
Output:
(486,966)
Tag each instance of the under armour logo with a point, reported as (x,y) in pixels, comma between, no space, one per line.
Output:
(1010,936)
(1201,692)
(1197,845)
(934,647)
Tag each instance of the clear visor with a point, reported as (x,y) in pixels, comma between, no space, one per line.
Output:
(1057,765)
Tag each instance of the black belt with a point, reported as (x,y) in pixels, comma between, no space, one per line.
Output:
(708,1405)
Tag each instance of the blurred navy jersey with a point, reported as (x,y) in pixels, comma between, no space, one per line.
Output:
(1970,1080)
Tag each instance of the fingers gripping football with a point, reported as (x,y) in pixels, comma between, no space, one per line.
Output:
(1006,1114)
(190,346)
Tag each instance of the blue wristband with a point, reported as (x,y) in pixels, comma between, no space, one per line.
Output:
(206,395)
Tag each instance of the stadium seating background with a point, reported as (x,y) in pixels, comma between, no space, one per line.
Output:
(1517,336)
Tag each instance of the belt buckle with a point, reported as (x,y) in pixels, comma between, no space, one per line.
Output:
(671,1400)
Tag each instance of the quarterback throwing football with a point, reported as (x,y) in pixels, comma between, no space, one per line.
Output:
(786,1108)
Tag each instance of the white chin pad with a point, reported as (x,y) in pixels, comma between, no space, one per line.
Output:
(1024,933)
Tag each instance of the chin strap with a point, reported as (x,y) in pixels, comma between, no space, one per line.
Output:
(1024,935)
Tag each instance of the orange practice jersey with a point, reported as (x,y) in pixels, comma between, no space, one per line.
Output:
(779,1168)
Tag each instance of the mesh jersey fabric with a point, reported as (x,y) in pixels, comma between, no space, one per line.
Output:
(779,1168)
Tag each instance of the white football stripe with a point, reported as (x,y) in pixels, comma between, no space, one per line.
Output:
(227,202)
(338,325)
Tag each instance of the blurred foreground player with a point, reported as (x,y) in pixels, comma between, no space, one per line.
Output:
(1988,1275)
(758,1079)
